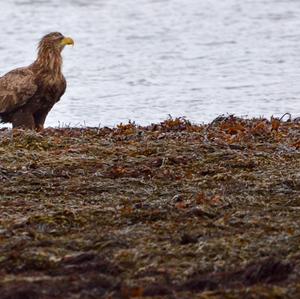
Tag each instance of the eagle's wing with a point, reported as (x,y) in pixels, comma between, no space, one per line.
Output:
(16,88)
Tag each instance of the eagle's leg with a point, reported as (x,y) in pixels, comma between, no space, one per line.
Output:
(40,117)
(23,119)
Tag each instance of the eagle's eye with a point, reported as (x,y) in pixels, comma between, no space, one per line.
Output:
(57,36)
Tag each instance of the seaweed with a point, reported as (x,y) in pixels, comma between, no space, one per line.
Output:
(169,210)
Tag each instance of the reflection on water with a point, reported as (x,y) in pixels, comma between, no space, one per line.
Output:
(142,60)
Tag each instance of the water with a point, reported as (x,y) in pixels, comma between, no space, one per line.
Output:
(142,60)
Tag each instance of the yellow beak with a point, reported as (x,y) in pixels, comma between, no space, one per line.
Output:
(67,41)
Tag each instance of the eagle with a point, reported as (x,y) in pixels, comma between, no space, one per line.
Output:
(27,94)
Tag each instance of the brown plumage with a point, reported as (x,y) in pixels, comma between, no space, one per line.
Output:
(27,94)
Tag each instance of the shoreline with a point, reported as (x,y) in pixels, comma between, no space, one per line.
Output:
(169,209)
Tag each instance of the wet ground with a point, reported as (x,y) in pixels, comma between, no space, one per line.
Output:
(171,210)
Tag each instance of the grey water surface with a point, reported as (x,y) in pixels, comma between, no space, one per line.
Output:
(141,60)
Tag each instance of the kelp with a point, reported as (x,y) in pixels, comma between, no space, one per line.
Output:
(169,210)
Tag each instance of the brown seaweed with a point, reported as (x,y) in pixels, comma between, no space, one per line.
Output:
(170,210)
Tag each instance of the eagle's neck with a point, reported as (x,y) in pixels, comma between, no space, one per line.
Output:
(49,62)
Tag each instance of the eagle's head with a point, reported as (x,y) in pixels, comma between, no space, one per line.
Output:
(55,41)
(49,52)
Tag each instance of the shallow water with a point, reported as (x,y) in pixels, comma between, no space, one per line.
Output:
(142,60)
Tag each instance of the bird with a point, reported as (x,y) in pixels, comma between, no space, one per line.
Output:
(27,94)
